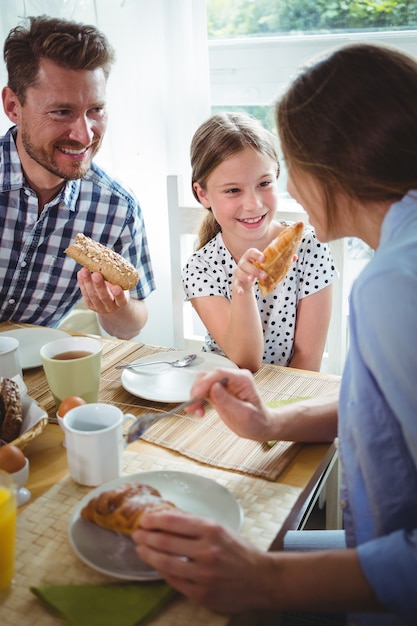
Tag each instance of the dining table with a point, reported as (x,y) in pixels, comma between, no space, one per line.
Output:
(275,485)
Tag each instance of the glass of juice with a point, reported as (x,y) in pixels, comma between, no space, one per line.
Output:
(8,510)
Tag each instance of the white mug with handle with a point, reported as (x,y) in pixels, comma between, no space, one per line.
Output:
(10,363)
(9,357)
(94,442)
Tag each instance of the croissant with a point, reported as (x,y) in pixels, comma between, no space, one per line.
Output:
(278,257)
(122,509)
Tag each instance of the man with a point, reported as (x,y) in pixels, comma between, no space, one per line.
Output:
(50,189)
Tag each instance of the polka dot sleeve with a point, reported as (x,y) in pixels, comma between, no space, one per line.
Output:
(209,271)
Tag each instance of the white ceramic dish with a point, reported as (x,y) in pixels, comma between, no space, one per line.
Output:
(164,383)
(114,554)
(31,341)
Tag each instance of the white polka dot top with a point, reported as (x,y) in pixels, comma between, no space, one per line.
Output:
(209,272)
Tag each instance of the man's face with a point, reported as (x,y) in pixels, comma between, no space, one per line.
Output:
(62,122)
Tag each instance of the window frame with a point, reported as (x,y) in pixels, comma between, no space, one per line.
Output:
(255,70)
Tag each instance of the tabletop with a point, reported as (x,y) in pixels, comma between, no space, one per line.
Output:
(271,503)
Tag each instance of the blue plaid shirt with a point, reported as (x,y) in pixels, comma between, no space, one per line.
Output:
(38,281)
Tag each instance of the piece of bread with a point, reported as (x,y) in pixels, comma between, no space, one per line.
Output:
(11,414)
(97,258)
(279,256)
(121,509)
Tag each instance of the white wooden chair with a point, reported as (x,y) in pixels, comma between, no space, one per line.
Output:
(183,226)
(81,320)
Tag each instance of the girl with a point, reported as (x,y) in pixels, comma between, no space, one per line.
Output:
(234,176)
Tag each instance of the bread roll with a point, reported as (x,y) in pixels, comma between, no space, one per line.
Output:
(97,258)
(279,256)
(11,414)
(122,509)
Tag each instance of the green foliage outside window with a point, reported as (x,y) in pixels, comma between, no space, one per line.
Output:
(240,18)
(264,114)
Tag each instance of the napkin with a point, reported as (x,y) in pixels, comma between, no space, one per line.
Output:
(106,605)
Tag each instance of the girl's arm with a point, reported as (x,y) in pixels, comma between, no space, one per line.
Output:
(235,327)
(235,324)
(312,324)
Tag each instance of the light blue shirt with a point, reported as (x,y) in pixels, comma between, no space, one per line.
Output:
(378,419)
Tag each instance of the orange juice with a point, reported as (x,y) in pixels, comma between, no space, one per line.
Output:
(7,530)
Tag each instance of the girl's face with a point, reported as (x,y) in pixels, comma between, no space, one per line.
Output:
(242,193)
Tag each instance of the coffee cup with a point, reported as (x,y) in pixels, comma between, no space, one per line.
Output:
(72,368)
(9,358)
(94,442)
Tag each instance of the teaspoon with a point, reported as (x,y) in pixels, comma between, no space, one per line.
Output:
(184,362)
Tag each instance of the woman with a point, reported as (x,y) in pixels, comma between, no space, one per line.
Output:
(234,176)
(348,129)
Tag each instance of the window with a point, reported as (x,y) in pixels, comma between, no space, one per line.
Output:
(241,18)
(255,46)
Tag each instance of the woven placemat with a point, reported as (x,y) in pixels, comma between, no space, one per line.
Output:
(44,555)
(208,440)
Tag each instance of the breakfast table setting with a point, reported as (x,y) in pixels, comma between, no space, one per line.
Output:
(68,573)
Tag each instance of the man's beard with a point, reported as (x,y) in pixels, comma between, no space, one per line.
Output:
(42,157)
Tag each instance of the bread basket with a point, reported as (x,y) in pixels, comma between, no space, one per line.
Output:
(35,419)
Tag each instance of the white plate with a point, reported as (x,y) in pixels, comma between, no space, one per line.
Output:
(164,383)
(31,341)
(114,554)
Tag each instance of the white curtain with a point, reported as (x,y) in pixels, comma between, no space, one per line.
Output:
(158,93)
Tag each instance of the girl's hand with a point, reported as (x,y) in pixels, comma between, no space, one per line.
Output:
(246,273)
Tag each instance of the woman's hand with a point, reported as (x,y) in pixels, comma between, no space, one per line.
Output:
(200,558)
(241,408)
(237,402)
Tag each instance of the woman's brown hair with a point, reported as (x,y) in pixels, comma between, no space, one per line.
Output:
(217,139)
(349,119)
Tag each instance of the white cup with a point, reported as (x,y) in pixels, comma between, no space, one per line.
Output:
(94,442)
(9,358)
